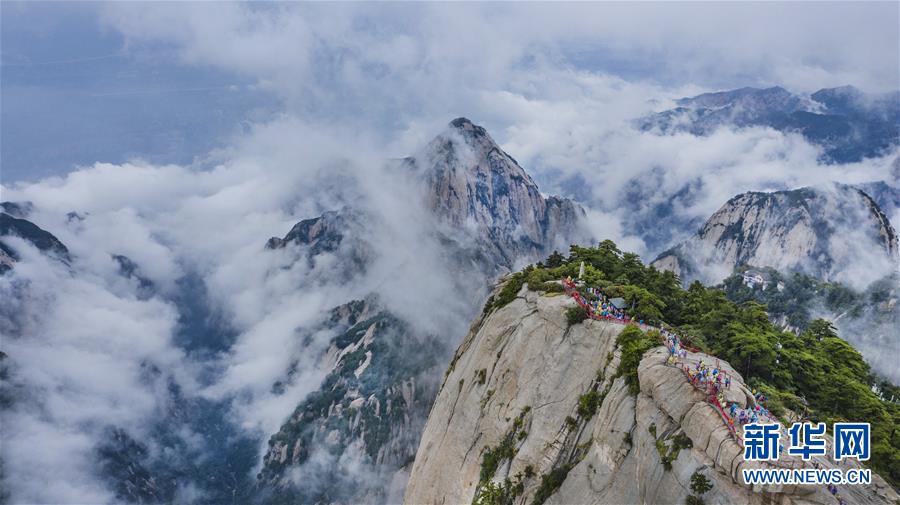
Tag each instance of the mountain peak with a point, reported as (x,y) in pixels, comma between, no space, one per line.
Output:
(790,230)
(473,187)
(470,130)
(846,89)
(474,181)
(757,98)
(461,122)
(20,210)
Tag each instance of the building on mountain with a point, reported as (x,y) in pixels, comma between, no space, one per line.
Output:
(619,303)
(753,278)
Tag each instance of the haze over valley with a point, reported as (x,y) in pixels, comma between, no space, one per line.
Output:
(253,253)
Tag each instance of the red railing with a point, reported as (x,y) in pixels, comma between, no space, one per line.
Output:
(572,291)
(711,387)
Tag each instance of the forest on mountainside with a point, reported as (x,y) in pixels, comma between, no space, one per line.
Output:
(815,375)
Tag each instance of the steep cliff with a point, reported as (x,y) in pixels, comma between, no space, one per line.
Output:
(361,427)
(473,185)
(534,410)
(367,414)
(833,233)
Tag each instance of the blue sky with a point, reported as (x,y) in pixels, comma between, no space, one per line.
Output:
(168,83)
(72,94)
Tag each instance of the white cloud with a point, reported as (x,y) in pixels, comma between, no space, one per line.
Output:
(376,50)
(82,355)
(77,365)
(361,84)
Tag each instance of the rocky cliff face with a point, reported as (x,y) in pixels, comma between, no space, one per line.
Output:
(509,413)
(361,428)
(337,232)
(474,185)
(833,233)
(887,194)
(364,421)
(485,207)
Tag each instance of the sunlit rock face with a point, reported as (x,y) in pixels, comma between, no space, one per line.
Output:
(516,379)
(473,184)
(834,233)
(353,439)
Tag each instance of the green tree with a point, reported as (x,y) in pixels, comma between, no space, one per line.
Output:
(815,375)
(489,493)
(575,315)
(644,304)
(755,353)
(700,484)
(633,344)
(555,259)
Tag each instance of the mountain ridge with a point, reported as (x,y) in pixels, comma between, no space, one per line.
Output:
(847,123)
(488,216)
(23,229)
(535,408)
(787,230)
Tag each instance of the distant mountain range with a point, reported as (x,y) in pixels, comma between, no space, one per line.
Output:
(848,123)
(486,216)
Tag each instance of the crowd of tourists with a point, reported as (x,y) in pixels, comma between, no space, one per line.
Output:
(754,414)
(604,308)
(713,380)
(598,305)
(706,377)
